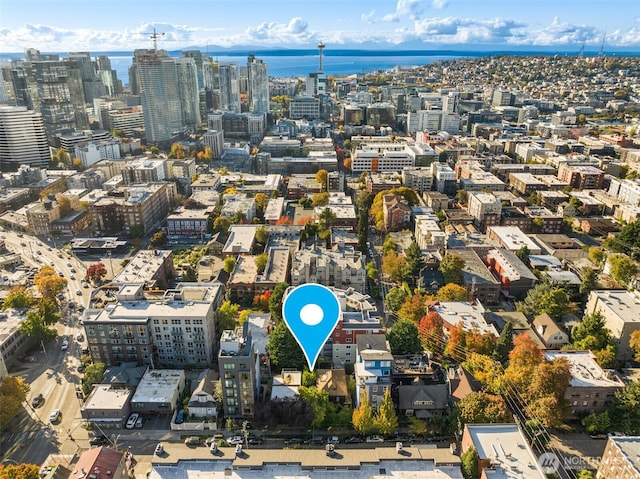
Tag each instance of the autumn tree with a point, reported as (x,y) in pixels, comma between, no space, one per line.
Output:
(481,408)
(96,272)
(320,199)
(13,392)
(403,338)
(362,418)
(48,282)
(261,201)
(634,343)
(452,292)
(413,308)
(18,297)
(456,345)
(19,471)
(431,332)
(524,358)
(597,255)
(322,177)
(545,392)
(386,419)
(389,246)
(262,235)
(451,268)
(394,266)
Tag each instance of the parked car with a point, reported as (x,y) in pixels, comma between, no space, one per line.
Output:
(81,368)
(159,449)
(131,422)
(192,441)
(180,416)
(255,441)
(99,440)
(139,422)
(399,447)
(238,449)
(353,440)
(78,292)
(315,441)
(234,440)
(64,345)
(213,448)
(375,438)
(37,401)
(292,441)
(333,440)
(55,415)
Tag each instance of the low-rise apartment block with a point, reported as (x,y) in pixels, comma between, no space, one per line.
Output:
(341,267)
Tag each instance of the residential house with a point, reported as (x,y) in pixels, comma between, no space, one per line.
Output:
(553,336)
(334,382)
(202,402)
(373,368)
(103,462)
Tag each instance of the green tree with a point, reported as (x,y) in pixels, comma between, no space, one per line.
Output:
(413,308)
(49,311)
(18,297)
(283,348)
(136,231)
(504,345)
(389,246)
(597,256)
(363,228)
(228,264)
(462,197)
(227,315)
(13,392)
(319,402)
(372,271)
(469,464)
(545,298)
(275,301)
(451,268)
(386,419)
(480,407)
(362,418)
(625,411)
(403,338)
(309,378)
(326,219)
(35,327)
(592,333)
(221,224)
(395,298)
(261,201)
(158,239)
(93,374)
(523,253)
(622,268)
(262,235)
(413,257)
(261,262)
(597,422)
(588,280)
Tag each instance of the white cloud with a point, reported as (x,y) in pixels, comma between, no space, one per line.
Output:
(563,33)
(465,30)
(410,9)
(439,4)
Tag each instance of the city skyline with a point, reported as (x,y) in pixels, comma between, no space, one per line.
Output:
(68,25)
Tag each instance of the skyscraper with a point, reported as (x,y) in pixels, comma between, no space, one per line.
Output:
(229,87)
(188,91)
(258,85)
(157,79)
(23,140)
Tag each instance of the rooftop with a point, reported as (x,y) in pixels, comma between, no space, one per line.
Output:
(158,386)
(585,371)
(620,302)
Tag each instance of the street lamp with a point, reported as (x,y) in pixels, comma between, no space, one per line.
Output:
(110,263)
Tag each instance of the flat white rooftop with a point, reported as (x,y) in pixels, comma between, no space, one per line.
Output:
(585,371)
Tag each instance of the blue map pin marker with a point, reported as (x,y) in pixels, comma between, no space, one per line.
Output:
(311,311)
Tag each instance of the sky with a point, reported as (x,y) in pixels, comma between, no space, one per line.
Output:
(117,25)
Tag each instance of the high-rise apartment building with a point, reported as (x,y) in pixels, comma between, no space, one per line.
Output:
(229,87)
(61,94)
(23,140)
(188,90)
(157,79)
(258,85)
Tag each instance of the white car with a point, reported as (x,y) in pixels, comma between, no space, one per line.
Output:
(235,440)
(65,345)
(375,439)
(131,422)
(55,415)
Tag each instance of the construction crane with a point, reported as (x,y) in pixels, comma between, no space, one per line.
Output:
(154,36)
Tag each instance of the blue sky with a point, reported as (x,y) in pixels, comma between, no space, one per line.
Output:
(100,25)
